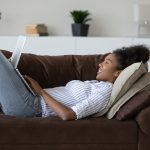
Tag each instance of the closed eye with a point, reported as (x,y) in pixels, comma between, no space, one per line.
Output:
(107,62)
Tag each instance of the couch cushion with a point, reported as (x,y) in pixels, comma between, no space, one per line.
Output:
(134,105)
(143,82)
(52,71)
(53,130)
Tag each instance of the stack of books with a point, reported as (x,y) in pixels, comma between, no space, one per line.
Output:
(37,30)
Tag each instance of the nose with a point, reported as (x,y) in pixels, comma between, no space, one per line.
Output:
(100,65)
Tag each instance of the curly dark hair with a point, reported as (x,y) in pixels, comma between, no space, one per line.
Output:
(129,55)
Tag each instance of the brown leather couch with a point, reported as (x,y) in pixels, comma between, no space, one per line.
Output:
(52,133)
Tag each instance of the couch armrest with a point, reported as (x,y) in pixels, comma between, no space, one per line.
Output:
(143,120)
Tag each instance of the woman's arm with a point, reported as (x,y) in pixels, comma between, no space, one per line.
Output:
(61,110)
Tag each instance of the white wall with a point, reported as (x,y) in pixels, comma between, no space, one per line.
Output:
(110,17)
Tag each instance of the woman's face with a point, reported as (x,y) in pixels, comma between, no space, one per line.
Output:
(108,69)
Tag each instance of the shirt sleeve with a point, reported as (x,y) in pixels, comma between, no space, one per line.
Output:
(93,104)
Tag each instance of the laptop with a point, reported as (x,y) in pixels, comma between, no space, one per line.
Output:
(16,57)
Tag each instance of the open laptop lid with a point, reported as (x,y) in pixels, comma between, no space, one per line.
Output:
(18,50)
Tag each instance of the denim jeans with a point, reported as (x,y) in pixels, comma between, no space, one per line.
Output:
(15,98)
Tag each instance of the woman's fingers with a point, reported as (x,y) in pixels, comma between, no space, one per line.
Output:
(29,78)
(32,81)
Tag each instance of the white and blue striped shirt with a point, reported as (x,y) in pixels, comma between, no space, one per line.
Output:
(83,97)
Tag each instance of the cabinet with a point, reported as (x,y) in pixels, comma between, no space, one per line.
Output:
(57,45)
(71,45)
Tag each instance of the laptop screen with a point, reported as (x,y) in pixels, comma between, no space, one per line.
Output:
(18,50)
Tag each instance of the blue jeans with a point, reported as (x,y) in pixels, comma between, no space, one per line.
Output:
(15,98)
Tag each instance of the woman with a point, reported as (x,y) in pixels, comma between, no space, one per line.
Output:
(77,99)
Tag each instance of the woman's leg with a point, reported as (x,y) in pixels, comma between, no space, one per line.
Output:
(15,98)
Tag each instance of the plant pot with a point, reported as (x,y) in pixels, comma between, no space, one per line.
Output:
(80,29)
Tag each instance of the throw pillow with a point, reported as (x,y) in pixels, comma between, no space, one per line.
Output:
(126,79)
(143,82)
(138,102)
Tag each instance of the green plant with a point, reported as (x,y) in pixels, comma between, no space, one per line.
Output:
(80,16)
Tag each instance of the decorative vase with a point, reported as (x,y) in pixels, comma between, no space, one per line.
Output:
(80,29)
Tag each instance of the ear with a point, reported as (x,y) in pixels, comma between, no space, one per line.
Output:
(117,73)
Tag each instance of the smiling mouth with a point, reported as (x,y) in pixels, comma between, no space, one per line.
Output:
(99,71)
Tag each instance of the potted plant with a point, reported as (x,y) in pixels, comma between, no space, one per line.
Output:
(80,18)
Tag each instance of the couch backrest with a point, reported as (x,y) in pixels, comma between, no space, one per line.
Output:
(52,71)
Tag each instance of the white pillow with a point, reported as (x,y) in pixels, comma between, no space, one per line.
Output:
(136,87)
(125,80)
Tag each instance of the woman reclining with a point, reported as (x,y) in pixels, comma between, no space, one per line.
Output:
(76,100)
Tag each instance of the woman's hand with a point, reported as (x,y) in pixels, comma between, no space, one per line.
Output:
(34,85)
(61,110)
